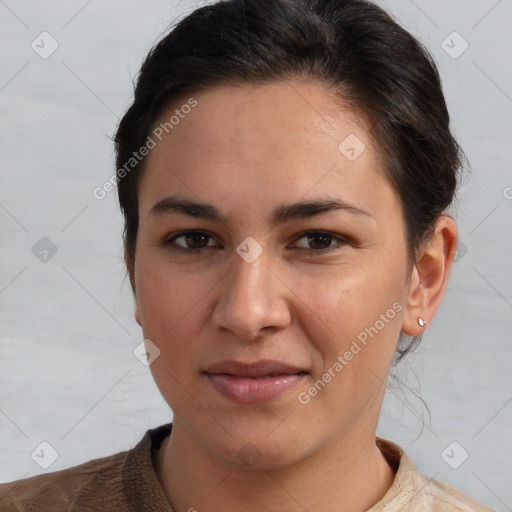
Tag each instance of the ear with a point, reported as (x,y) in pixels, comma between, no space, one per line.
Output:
(130,267)
(429,276)
(137,315)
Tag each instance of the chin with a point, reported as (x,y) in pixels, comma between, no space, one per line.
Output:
(259,449)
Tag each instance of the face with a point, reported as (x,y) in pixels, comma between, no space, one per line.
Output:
(295,255)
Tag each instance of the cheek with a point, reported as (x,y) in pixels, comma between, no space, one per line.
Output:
(363,314)
(175,303)
(359,318)
(345,301)
(166,299)
(171,310)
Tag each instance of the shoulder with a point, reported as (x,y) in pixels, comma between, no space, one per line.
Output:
(439,496)
(414,492)
(123,481)
(65,487)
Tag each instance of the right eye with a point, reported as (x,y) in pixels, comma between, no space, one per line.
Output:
(197,239)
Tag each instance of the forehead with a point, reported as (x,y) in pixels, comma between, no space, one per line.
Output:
(286,138)
(273,113)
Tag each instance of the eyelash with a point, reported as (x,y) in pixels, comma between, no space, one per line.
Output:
(168,242)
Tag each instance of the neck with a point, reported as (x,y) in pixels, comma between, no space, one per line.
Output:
(350,471)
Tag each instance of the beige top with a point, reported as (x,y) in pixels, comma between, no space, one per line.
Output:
(127,481)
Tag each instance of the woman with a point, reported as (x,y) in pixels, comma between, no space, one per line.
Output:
(284,172)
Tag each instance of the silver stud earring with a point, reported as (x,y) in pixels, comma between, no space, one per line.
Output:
(422,322)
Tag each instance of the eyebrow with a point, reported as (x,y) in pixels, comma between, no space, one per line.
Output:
(173,204)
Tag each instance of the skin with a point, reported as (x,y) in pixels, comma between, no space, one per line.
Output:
(247,150)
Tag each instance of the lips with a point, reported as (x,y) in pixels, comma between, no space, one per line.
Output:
(258,369)
(252,383)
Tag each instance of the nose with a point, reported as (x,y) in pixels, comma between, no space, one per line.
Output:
(253,298)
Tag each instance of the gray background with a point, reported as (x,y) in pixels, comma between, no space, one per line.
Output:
(68,375)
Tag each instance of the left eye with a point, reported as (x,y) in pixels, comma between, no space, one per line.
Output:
(321,240)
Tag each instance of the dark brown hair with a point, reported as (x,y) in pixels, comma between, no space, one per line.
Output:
(353,46)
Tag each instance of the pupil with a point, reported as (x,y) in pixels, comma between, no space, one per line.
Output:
(317,236)
(191,237)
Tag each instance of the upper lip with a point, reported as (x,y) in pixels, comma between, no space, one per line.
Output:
(256,369)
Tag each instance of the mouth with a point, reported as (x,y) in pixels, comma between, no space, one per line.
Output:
(252,383)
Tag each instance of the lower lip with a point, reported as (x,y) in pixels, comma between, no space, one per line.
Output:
(246,390)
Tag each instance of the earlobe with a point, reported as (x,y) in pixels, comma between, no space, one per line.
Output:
(429,277)
(137,315)
(414,305)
